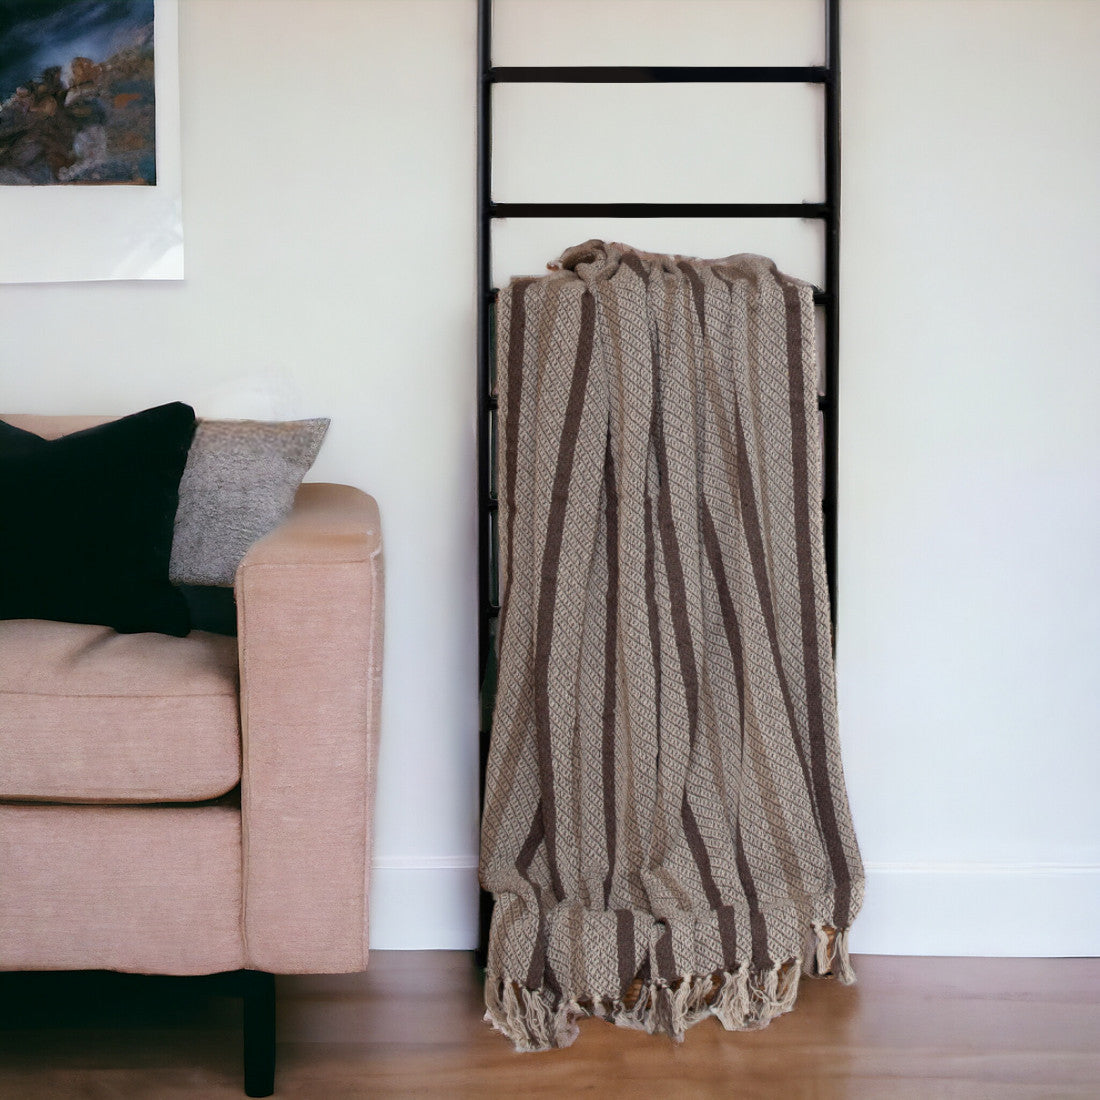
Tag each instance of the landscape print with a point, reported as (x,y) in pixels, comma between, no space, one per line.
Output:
(77,100)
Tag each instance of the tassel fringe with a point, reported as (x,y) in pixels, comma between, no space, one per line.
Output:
(829,957)
(531,1018)
(741,999)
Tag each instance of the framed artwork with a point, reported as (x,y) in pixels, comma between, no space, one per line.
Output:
(89,140)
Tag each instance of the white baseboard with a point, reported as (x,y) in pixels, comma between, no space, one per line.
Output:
(918,908)
(1003,909)
(423,903)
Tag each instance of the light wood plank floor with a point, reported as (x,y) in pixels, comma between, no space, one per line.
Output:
(411,1026)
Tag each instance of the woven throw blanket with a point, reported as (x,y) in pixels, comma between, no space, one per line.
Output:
(666,829)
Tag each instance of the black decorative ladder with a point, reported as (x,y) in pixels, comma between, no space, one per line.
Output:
(827,297)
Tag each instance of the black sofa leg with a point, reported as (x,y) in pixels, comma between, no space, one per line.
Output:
(259,1032)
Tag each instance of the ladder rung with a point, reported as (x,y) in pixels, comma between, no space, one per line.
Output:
(659,210)
(658,74)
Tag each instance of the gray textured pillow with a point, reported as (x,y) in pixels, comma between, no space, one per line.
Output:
(239,484)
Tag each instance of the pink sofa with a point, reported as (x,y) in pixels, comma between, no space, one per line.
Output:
(201,804)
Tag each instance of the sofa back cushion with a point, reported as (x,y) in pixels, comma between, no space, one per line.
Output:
(54,427)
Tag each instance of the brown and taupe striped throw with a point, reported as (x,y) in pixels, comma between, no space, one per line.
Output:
(666,828)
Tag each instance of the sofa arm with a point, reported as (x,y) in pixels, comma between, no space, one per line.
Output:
(309,618)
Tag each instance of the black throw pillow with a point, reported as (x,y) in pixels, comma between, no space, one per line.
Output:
(86,522)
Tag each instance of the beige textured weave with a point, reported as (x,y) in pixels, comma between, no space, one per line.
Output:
(666,829)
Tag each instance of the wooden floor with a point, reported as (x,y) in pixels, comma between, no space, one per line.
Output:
(411,1026)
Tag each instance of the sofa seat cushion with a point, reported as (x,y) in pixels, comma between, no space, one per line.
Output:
(88,715)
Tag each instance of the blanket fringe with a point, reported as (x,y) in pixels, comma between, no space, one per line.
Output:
(750,999)
(830,955)
(742,999)
(532,1018)
(666,1007)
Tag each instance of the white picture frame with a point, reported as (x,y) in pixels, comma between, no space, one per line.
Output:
(78,233)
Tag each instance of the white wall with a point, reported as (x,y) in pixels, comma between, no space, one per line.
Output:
(328,189)
(969,629)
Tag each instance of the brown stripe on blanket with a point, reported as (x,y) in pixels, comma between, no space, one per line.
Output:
(725,602)
(755,544)
(781,836)
(526,857)
(811,643)
(674,570)
(610,671)
(727,927)
(555,530)
(624,927)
